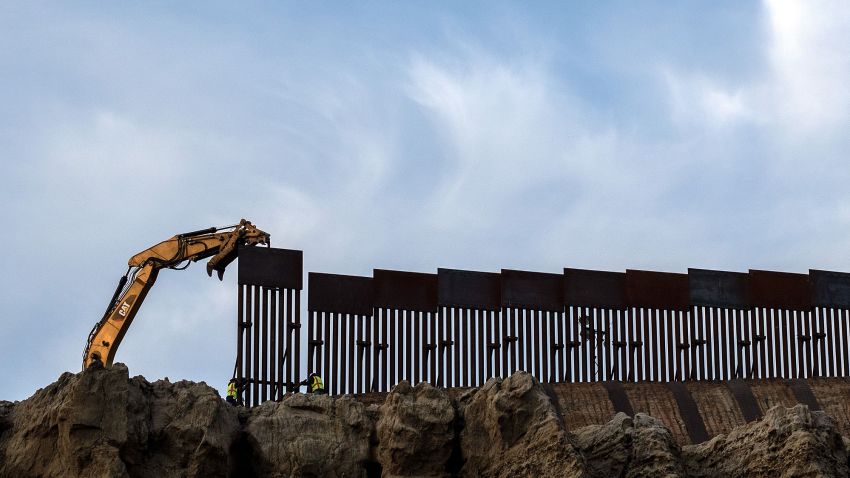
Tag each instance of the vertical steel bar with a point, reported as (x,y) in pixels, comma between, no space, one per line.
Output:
(294,339)
(723,340)
(564,350)
(423,353)
(435,348)
(614,340)
(352,347)
(482,346)
(793,339)
(831,330)
(334,376)
(585,321)
(441,348)
(693,345)
(273,356)
(492,352)
(311,337)
(749,351)
(533,341)
(652,361)
(805,333)
(704,348)
(456,340)
(284,347)
(666,321)
(326,347)
(367,352)
(737,344)
(465,343)
(249,319)
(264,338)
(377,352)
(776,342)
(661,357)
(282,324)
(698,337)
(804,341)
(822,335)
(575,338)
(543,345)
(843,316)
(686,345)
(627,332)
(712,331)
(772,344)
(387,343)
(812,352)
(358,324)
(601,351)
(786,364)
(414,378)
(640,327)
(319,344)
(553,351)
(256,367)
(240,329)
(569,346)
(681,351)
(510,335)
(394,346)
(344,364)
(522,334)
(469,346)
(762,321)
(408,347)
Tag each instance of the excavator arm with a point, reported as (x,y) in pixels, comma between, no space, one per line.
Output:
(175,253)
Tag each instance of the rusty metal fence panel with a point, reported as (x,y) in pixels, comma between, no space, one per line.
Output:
(460,328)
(268,328)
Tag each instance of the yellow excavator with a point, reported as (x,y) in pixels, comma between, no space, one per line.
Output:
(175,253)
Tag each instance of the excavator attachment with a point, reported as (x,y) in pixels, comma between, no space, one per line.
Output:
(220,243)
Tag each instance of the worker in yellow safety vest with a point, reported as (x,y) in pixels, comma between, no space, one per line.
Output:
(231,392)
(314,384)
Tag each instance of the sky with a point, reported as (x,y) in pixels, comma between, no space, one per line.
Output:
(402,135)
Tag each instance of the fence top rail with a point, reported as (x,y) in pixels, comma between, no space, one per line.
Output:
(469,289)
(340,294)
(532,290)
(779,290)
(598,289)
(416,291)
(657,290)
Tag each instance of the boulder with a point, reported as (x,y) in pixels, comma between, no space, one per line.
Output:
(415,431)
(629,447)
(308,435)
(511,428)
(786,442)
(100,423)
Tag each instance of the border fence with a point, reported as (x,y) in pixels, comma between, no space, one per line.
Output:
(459,328)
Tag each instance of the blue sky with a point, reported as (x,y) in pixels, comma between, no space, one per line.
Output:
(605,135)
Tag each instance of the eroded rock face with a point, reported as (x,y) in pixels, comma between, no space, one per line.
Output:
(510,428)
(100,423)
(416,431)
(629,447)
(309,435)
(786,442)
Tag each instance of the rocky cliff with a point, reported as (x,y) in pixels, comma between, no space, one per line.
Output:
(102,423)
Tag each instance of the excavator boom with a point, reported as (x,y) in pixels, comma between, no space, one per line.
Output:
(219,243)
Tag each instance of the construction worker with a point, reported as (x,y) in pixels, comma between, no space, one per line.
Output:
(314,384)
(235,387)
(231,392)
